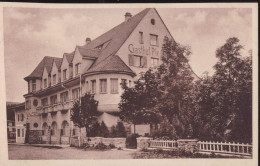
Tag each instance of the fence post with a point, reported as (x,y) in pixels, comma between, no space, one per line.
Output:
(247,151)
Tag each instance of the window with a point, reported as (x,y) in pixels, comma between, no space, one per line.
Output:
(18,117)
(29,85)
(103,85)
(153,40)
(77,68)
(35,125)
(33,85)
(45,102)
(75,93)
(93,86)
(53,100)
(152,21)
(124,80)
(64,74)
(87,86)
(28,104)
(64,96)
(13,129)
(130,83)
(22,117)
(137,61)
(45,83)
(22,132)
(155,62)
(54,79)
(114,85)
(18,132)
(141,38)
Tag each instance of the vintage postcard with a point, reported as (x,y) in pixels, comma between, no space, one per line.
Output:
(95,84)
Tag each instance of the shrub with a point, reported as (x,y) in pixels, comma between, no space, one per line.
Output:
(104,132)
(145,150)
(94,130)
(112,146)
(101,146)
(146,134)
(119,148)
(120,128)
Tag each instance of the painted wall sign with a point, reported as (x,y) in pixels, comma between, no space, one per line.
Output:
(141,50)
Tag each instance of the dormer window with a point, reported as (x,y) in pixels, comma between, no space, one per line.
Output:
(45,83)
(77,68)
(64,74)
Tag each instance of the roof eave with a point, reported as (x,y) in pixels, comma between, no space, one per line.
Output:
(132,74)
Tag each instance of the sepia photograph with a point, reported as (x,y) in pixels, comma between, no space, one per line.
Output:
(129,82)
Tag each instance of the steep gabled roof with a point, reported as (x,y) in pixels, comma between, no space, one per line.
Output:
(69,56)
(112,63)
(58,62)
(117,36)
(38,71)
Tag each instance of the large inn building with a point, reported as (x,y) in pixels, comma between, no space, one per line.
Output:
(97,67)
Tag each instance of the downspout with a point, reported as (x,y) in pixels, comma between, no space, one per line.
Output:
(80,105)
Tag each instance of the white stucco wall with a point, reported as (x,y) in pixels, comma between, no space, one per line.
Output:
(107,98)
(45,76)
(64,65)
(132,42)
(54,70)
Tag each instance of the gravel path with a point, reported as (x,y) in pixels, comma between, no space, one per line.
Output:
(17,152)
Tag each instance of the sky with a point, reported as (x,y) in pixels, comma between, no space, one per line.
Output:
(32,33)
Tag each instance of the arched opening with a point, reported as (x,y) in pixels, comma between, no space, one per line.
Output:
(44,128)
(65,128)
(53,128)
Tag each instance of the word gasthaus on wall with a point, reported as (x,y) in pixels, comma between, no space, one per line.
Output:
(141,50)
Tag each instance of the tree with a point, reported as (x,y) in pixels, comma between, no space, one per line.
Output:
(176,83)
(137,103)
(84,112)
(224,101)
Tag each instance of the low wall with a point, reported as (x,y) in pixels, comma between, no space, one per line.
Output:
(188,145)
(118,142)
(143,142)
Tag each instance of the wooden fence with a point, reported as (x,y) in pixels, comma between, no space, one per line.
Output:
(204,146)
(226,148)
(164,144)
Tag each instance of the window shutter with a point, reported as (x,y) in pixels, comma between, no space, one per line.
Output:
(144,60)
(131,60)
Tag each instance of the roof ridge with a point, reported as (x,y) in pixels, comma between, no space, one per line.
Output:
(145,11)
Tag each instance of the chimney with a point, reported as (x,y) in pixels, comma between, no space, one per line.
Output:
(88,40)
(127,16)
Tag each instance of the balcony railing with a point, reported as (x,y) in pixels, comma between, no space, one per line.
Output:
(56,107)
